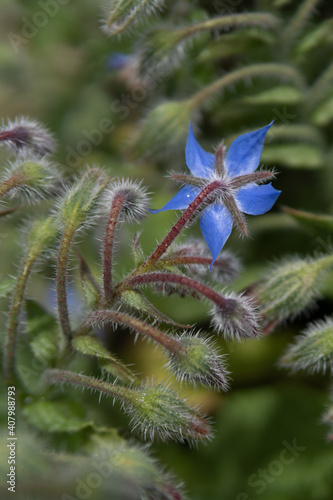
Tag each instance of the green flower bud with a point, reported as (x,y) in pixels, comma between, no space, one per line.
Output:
(30,177)
(164,128)
(291,287)
(198,361)
(79,204)
(237,318)
(158,411)
(313,350)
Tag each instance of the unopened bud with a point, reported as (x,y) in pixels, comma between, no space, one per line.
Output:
(198,361)
(30,177)
(237,318)
(313,350)
(25,133)
(134,199)
(79,204)
(163,129)
(291,287)
(158,411)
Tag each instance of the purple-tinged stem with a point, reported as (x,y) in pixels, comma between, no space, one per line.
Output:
(172,345)
(143,279)
(180,224)
(13,321)
(116,207)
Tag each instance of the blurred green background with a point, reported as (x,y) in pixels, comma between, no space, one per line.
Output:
(61,74)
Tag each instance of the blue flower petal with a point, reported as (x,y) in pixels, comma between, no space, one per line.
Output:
(244,154)
(256,200)
(216,225)
(181,200)
(198,160)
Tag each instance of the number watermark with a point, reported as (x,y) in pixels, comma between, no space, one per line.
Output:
(11,439)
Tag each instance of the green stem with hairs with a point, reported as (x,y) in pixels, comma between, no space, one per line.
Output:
(14,314)
(100,317)
(65,246)
(260,70)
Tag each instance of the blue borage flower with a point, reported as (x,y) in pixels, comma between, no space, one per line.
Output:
(239,193)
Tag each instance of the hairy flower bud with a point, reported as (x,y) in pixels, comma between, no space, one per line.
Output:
(78,205)
(163,128)
(290,287)
(237,318)
(134,199)
(198,361)
(30,177)
(313,350)
(158,411)
(26,133)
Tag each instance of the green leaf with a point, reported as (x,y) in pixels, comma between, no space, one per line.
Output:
(235,43)
(139,302)
(317,37)
(91,346)
(281,94)
(6,287)
(56,416)
(293,155)
(323,115)
(43,332)
(311,221)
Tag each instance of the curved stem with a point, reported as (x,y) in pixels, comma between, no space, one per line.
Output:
(75,379)
(107,316)
(14,314)
(64,250)
(178,279)
(280,71)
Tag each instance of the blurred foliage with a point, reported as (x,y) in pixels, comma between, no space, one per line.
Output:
(133,118)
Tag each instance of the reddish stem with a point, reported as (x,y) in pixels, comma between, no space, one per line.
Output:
(143,279)
(180,224)
(169,343)
(116,207)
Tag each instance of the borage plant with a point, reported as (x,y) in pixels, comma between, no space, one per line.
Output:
(220,190)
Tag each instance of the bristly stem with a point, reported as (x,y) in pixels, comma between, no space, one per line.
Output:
(107,316)
(13,321)
(180,224)
(75,379)
(183,281)
(116,207)
(65,246)
(279,71)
